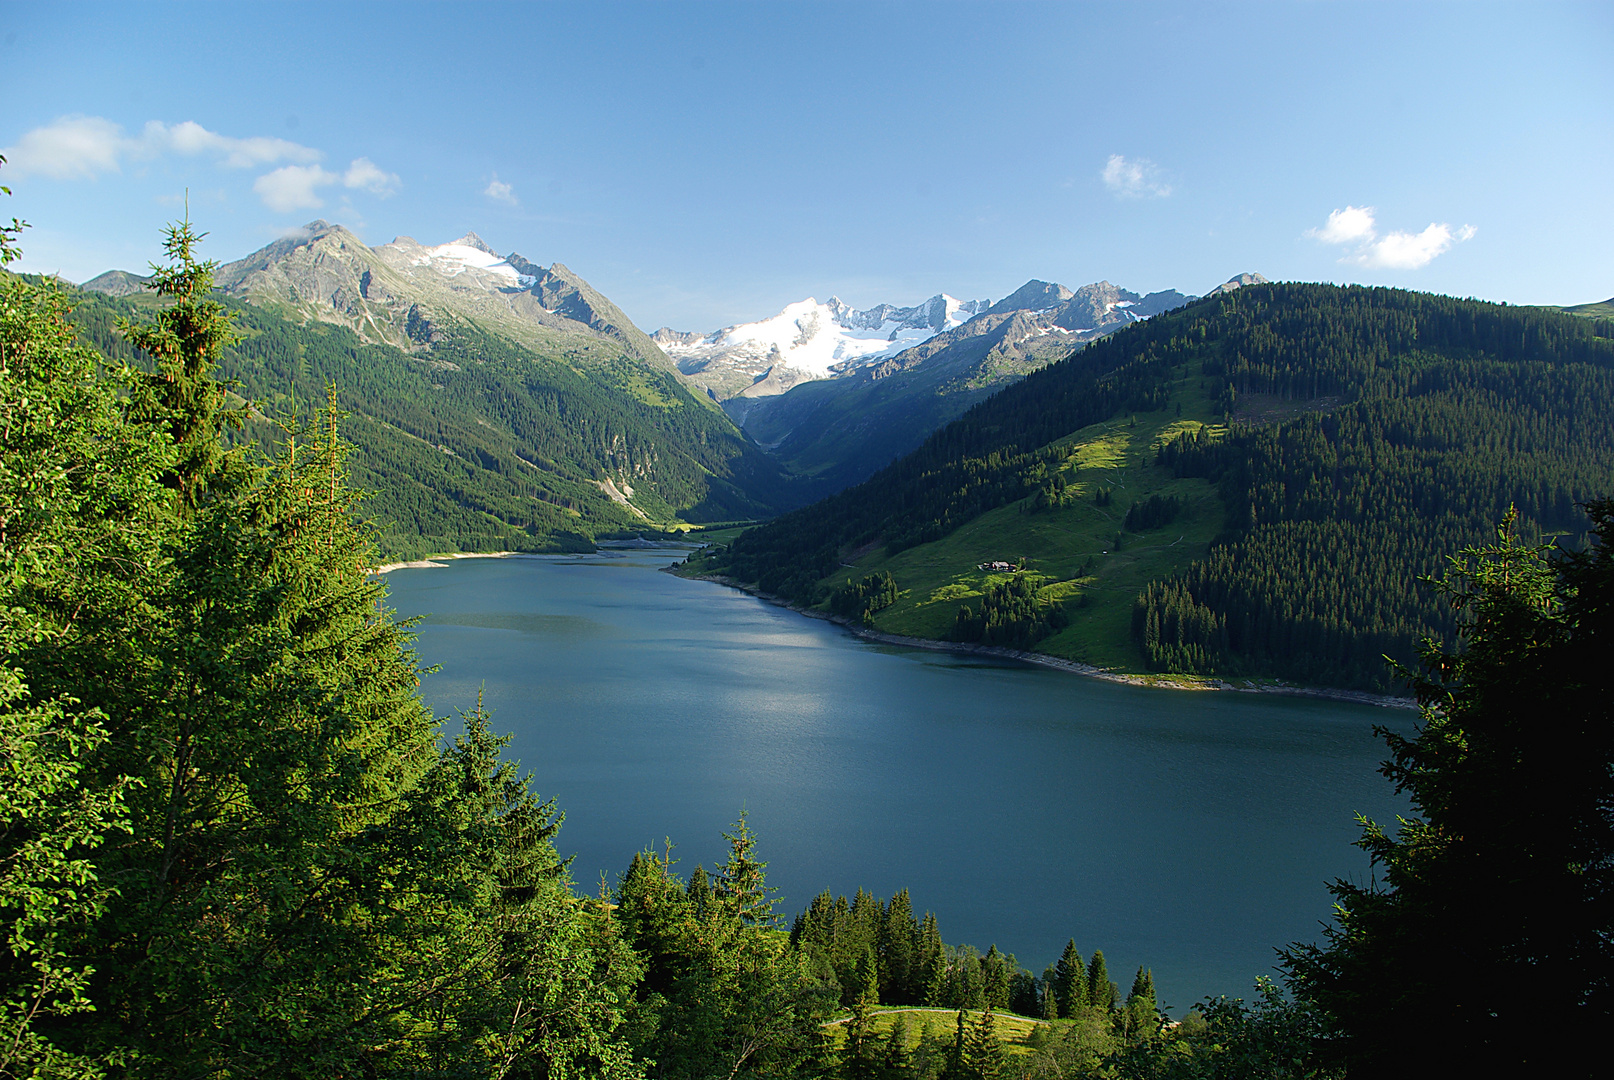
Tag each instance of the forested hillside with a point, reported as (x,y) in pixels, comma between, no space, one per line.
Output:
(483,444)
(1327,446)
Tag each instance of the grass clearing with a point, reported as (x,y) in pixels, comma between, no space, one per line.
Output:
(1014,1031)
(1072,550)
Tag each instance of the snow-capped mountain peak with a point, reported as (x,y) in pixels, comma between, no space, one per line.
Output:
(469,254)
(817,339)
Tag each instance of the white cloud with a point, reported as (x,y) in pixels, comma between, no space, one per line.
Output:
(1355,225)
(190,138)
(72,147)
(79,147)
(291,187)
(499,190)
(1346,226)
(364,173)
(82,147)
(1409,251)
(1134,178)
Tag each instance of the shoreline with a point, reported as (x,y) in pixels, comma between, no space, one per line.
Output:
(438,560)
(1075,667)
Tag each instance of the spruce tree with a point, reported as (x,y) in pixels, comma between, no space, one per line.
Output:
(899,944)
(1140,1009)
(1047,988)
(983,1050)
(307,883)
(1070,981)
(699,892)
(185,342)
(1101,992)
(740,883)
(996,979)
(1504,875)
(932,962)
(897,1062)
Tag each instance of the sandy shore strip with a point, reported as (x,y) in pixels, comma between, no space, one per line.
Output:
(1161,682)
(439,560)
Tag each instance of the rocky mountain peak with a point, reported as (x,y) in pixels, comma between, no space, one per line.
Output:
(1034,295)
(471,240)
(1237,281)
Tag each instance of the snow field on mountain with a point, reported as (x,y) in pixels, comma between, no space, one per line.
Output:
(821,338)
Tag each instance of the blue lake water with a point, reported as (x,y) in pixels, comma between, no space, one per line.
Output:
(1191,832)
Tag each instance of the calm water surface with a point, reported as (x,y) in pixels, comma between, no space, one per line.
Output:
(1191,832)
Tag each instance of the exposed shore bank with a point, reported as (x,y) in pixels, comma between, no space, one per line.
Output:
(438,560)
(1162,682)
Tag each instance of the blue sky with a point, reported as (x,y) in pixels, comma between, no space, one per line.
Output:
(705,164)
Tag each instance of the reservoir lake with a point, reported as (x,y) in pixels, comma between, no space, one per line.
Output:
(1191,832)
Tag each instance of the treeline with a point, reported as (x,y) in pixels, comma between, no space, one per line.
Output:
(874,593)
(1010,615)
(483,445)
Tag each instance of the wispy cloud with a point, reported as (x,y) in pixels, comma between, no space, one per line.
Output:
(364,175)
(499,191)
(1135,178)
(1356,227)
(84,147)
(81,147)
(292,187)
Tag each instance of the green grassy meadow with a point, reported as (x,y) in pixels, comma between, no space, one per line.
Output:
(1072,549)
(1015,1032)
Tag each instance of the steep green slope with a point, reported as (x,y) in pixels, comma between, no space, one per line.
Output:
(1602,309)
(482,444)
(1398,427)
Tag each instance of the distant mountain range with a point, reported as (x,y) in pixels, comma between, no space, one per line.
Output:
(812,340)
(892,383)
(827,392)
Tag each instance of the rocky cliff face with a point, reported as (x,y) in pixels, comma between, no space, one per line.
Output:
(405,293)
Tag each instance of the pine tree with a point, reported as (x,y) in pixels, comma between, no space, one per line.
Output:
(983,1050)
(897,1061)
(740,884)
(1510,775)
(1101,992)
(1070,981)
(899,943)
